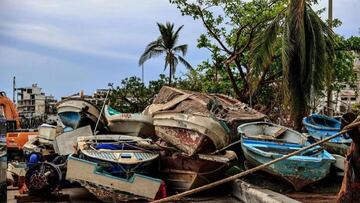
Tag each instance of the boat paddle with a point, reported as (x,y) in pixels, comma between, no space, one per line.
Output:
(347,128)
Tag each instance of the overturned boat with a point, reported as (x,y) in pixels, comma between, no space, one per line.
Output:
(75,113)
(320,127)
(262,142)
(135,124)
(182,173)
(224,108)
(192,120)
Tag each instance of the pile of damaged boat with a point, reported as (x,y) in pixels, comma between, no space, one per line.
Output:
(180,142)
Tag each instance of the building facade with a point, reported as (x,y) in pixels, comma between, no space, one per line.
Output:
(32,102)
(345,99)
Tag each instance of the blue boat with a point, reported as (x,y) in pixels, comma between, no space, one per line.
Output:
(263,142)
(321,126)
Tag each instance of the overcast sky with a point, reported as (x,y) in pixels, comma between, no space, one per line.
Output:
(69,45)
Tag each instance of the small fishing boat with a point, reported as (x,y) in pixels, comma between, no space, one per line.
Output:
(75,113)
(191,133)
(125,155)
(182,173)
(262,142)
(135,124)
(110,188)
(321,126)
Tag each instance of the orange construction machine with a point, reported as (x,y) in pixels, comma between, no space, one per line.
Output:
(15,137)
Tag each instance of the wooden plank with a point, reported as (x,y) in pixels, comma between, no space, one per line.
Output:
(279,132)
(168,105)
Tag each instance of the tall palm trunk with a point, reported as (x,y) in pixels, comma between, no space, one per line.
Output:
(170,73)
(329,95)
(293,60)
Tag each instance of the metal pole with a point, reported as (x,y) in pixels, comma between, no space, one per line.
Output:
(142,73)
(102,108)
(14,89)
(330,13)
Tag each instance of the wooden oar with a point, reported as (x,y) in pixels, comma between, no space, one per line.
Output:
(252,170)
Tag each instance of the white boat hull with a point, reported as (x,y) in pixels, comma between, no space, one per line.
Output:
(130,124)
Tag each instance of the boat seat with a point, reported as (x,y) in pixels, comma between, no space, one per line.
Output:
(266,138)
(279,132)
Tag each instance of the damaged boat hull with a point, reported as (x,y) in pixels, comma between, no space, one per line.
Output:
(109,188)
(76,113)
(191,133)
(299,171)
(129,123)
(262,142)
(182,173)
(321,126)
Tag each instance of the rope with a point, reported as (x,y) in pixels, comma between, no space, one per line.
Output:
(352,125)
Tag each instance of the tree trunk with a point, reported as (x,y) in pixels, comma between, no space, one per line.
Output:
(170,73)
(233,82)
(329,105)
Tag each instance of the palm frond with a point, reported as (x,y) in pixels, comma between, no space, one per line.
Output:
(175,36)
(150,54)
(262,49)
(154,45)
(181,48)
(185,63)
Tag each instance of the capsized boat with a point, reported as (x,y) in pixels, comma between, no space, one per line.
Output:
(125,155)
(182,173)
(223,108)
(75,113)
(262,142)
(321,126)
(111,188)
(136,124)
(191,133)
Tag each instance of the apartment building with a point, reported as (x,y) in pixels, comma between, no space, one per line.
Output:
(32,102)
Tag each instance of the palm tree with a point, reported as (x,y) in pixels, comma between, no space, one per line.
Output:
(166,44)
(307,53)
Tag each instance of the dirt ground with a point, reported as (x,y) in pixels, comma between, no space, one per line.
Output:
(80,195)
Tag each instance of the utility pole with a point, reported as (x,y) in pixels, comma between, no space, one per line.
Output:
(142,73)
(330,110)
(330,13)
(14,89)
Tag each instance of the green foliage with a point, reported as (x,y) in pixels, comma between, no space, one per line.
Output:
(133,96)
(167,44)
(344,63)
(231,27)
(307,53)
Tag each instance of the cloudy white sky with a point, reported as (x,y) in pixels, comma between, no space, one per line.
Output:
(71,45)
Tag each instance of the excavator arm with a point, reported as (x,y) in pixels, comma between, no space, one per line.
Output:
(8,109)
